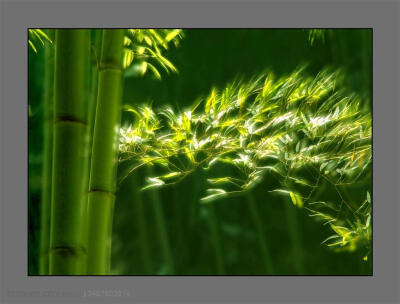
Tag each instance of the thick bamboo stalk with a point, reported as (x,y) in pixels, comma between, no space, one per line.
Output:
(104,153)
(96,49)
(93,71)
(47,157)
(67,251)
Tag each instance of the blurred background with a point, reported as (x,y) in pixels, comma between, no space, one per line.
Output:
(167,231)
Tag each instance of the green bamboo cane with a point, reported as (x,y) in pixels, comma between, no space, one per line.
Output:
(215,237)
(366,63)
(47,158)
(95,53)
(67,250)
(104,153)
(93,71)
(262,240)
(215,233)
(295,236)
(146,260)
(162,228)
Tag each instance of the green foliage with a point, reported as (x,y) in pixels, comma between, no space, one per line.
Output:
(303,130)
(144,48)
(317,34)
(357,233)
(37,36)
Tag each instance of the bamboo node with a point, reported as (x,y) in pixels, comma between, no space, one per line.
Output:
(66,251)
(112,193)
(109,66)
(70,119)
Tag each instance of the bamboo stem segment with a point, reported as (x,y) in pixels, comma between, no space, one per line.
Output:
(296,239)
(262,240)
(47,158)
(141,222)
(215,237)
(92,100)
(162,229)
(104,153)
(67,250)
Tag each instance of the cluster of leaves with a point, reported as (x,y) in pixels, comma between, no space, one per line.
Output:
(37,36)
(302,130)
(143,50)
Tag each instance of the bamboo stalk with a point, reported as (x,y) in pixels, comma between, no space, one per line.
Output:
(262,240)
(295,236)
(67,250)
(96,49)
(162,228)
(92,97)
(366,64)
(179,208)
(215,237)
(215,233)
(47,158)
(104,153)
(146,260)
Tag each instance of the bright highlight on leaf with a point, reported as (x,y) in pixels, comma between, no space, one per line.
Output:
(37,36)
(296,199)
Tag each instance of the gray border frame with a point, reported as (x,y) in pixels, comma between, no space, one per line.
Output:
(17,16)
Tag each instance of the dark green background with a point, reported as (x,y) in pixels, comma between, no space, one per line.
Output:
(208,58)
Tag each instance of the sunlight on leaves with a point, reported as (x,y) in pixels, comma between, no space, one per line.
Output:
(37,36)
(285,127)
(144,51)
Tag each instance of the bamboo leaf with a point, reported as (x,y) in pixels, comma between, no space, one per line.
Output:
(210,101)
(153,182)
(44,35)
(154,70)
(296,199)
(172,35)
(128,58)
(368,197)
(171,175)
(214,194)
(32,46)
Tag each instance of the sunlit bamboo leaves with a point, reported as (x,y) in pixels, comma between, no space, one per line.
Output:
(37,37)
(318,35)
(143,50)
(305,131)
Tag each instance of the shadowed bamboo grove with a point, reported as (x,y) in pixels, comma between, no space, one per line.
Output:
(200,152)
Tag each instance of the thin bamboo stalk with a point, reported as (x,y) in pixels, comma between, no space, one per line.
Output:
(146,260)
(93,71)
(102,183)
(47,157)
(67,250)
(262,240)
(162,228)
(215,234)
(215,237)
(179,207)
(366,64)
(295,236)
